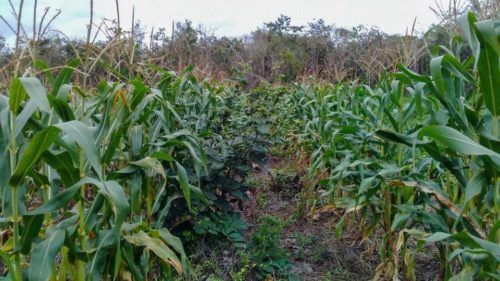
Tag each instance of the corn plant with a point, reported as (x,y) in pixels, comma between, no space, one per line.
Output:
(415,155)
(461,137)
(93,181)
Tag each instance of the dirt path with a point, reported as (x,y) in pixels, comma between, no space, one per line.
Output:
(311,244)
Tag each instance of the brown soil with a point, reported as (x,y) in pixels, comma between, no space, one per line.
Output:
(314,249)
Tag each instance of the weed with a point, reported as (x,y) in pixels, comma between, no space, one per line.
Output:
(285,181)
(262,200)
(244,269)
(328,276)
(255,182)
(264,250)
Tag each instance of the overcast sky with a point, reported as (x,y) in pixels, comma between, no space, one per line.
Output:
(234,17)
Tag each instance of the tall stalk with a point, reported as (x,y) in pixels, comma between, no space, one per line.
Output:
(15,202)
(82,233)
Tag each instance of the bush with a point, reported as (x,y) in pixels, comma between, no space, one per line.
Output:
(264,250)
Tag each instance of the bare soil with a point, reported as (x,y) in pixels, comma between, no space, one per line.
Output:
(313,246)
(314,250)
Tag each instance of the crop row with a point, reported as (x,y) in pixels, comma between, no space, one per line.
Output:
(416,156)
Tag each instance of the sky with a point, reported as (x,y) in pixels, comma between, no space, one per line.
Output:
(231,17)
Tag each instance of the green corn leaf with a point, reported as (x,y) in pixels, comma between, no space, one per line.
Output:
(93,212)
(160,155)
(491,247)
(31,227)
(128,257)
(438,236)
(456,141)
(467,24)
(184,183)
(8,264)
(95,267)
(24,116)
(61,199)
(165,210)
(151,166)
(449,163)
(17,95)
(475,186)
(44,256)
(399,221)
(36,92)
(41,65)
(399,138)
(134,186)
(466,274)
(452,65)
(156,246)
(63,164)
(83,135)
(116,195)
(64,76)
(136,134)
(467,240)
(116,137)
(61,108)
(117,261)
(40,142)
(64,92)
(339,228)
(38,178)
(173,241)
(489,65)
(57,202)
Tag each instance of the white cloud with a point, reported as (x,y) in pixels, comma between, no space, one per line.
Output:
(238,17)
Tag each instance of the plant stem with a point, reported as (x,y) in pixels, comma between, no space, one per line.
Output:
(496,183)
(80,271)
(15,204)
(149,198)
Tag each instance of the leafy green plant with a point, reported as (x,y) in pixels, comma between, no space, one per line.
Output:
(228,226)
(262,200)
(244,269)
(264,250)
(102,178)
(285,180)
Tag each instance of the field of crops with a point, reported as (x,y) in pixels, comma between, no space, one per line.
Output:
(416,156)
(121,180)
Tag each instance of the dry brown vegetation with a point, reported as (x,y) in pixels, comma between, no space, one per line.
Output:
(276,52)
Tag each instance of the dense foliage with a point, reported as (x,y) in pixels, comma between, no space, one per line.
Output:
(111,166)
(91,177)
(416,156)
(276,52)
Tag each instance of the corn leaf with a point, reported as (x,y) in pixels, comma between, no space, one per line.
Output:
(40,142)
(44,256)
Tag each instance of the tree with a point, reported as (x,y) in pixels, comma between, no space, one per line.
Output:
(319,29)
(283,26)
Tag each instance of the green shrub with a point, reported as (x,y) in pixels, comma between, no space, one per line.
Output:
(264,250)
